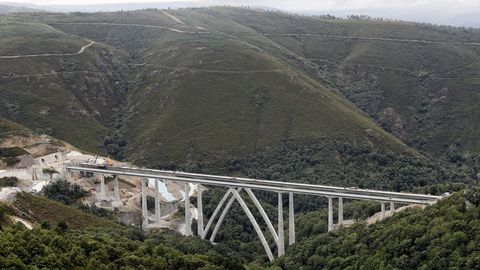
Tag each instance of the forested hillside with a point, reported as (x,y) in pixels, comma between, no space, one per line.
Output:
(442,236)
(69,238)
(355,103)
(207,84)
(58,84)
(419,82)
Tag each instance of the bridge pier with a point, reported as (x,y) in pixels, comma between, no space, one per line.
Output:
(116,188)
(188,225)
(291,220)
(144,206)
(199,210)
(158,215)
(281,233)
(382,211)
(103,189)
(330,214)
(340,211)
(392,207)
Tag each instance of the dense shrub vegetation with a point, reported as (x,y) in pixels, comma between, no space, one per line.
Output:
(444,236)
(9,155)
(321,162)
(345,163)
(8,181)
(63,191)
(62,248)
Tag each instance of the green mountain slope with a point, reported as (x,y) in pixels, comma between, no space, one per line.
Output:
(196,92)
(72,239)
(8,127)
(419,82)
(440,237)
(207,85)
(58,84)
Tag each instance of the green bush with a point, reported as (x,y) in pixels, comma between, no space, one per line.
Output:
(8,181)
(12,152)
(63,191)
(2,212)
(63,248)
(9,155)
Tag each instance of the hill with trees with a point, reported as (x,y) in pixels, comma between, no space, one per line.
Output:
(357,102)
(69,238)
(442,236)
(206,84)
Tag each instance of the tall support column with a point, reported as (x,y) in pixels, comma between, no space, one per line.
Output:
(382,212)
(116,189)
(199,210)
(254,223)
(103,190)
(188,225)
(281,236)
(144,206)
(392,207)
(340,211)
(291,220)
(158,215)
(330,214)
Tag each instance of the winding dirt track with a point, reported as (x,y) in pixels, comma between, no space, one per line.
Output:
(375,39)
(421,41)
(135,25)
(210,70)
(48,54)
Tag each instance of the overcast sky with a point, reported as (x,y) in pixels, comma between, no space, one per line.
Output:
(451,12)
(291,4)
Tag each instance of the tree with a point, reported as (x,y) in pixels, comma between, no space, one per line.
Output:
(62,227)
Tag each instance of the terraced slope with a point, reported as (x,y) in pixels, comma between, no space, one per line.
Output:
(59,84)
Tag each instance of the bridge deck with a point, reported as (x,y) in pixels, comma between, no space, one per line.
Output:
(267,185)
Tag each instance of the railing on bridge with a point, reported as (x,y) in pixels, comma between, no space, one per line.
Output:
(236,184)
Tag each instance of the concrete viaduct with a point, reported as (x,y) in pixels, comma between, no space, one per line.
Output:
(235,185)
